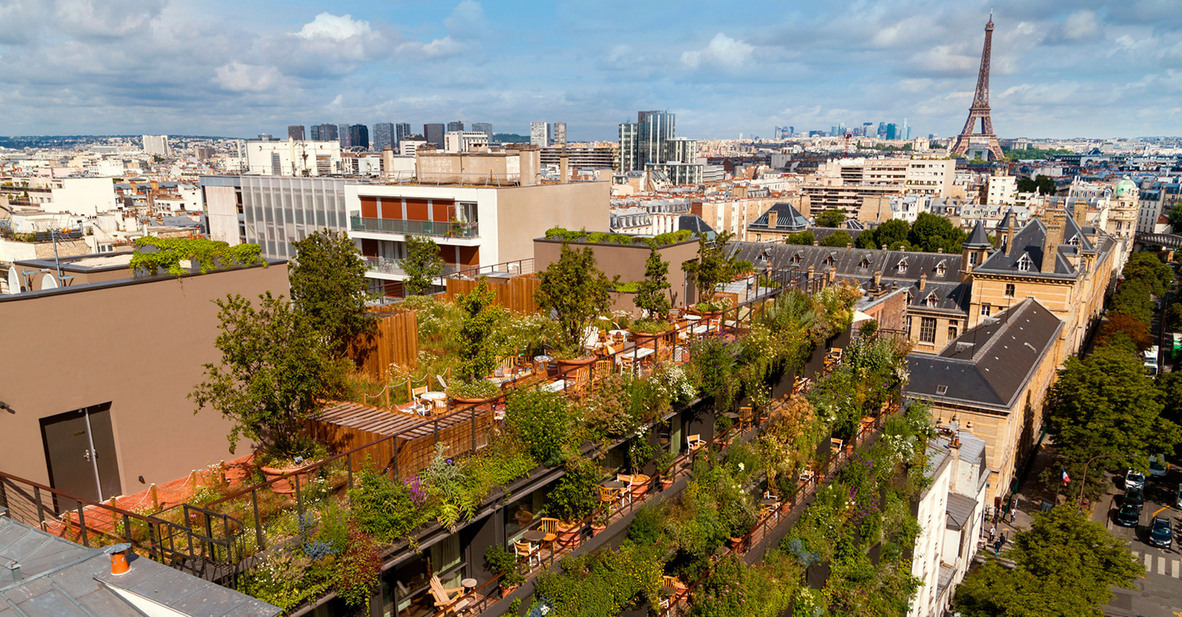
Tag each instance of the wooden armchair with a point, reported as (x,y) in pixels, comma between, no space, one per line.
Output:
(527,551)
(549,527)
(444,597)
(609,496)
(694,442)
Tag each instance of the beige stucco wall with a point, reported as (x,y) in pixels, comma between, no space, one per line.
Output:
(525,213)
(627,262)
(139,346)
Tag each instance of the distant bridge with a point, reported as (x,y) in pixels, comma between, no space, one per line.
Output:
(1170,241)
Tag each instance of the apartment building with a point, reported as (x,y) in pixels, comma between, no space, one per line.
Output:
(293,158)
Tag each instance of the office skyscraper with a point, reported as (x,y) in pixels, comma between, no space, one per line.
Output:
(483,127)
(433,133)
(559,134)
(343,136)
(156,145)
(539,134)
(359,136)
(401,131)
(296,132)
(457,125)
(653,129)
(892,131)
(324,132)
(383,136)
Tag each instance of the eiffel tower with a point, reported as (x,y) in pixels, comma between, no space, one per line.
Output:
(980,107)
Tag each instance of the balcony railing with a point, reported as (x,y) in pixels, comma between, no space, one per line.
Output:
(449,229)
(394,266)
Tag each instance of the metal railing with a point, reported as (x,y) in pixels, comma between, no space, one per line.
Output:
(519,266)
(394,266)
(201,545)
(448,229)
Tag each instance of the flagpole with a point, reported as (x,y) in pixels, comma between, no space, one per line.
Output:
(1084,481)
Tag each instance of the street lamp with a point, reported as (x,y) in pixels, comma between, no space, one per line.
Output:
(1084,481)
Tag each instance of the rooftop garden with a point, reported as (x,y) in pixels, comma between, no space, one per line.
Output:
(154,255)
(602,237)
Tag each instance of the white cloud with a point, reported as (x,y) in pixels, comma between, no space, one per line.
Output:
(439,48)
(238,77)
(721,51)
(466,19)
(106,18)
(1079,26)
(335,28)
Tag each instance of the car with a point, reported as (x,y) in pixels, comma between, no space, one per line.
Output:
(1157,465)
(1134,479)
(1128,516)
(1161,534)
(1133,497)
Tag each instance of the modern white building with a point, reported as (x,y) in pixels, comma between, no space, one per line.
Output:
(539,134)
(293,158)
(1002,190)
(465,141)
(156,145)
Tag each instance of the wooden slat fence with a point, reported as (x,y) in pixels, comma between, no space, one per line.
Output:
(515,294)
(395,341)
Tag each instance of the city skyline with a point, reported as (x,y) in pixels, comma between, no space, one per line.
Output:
(1096,69)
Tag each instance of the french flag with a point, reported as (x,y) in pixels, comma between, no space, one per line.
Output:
(1066,478)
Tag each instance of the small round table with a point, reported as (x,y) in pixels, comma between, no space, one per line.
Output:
(543,359)
(769,502)
(534,536)
(614,484)
(468,583)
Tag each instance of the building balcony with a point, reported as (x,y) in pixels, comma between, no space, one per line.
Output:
(449,229)
(393,267)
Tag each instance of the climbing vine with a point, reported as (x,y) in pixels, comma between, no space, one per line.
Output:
(207,254)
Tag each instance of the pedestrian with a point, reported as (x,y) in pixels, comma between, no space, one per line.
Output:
(992,533)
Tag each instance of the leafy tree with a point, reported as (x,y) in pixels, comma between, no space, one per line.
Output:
(1064,565)
(1174,316)
(650,294)
(1175,216)
(891,233)
(541,421)
(1107,405)
(1148,269)
(838,238)
(1132,299)
(1042,185)
(931,232)
(1136,331)
(575,290)
(422,264)
(480,314)
(1170,386)
(712,265)
(328,286)
(274,367)
(805,237)
(832,217)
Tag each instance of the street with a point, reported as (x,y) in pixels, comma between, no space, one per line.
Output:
(1160,592)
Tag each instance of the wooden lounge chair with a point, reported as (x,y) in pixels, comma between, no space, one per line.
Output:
(444,597)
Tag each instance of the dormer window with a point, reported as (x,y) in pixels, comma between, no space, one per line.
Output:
(902,266)
(940,268)
(829,261)
(796,259)
(1074,241)
(865,264)
(930,300)
(1024,263)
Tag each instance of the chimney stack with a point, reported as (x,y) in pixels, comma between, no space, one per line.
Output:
(1050,248)
(564,166)
(772,218)
(1009,235)
(877,279)
(923,281)
(1079,212)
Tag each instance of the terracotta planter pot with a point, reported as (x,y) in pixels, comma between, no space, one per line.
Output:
(507,591)
(734,542)
(849,448)
(597,528)
(457,401)
(567,533)
(641,338)
(574,363)
(640,486)
(665,484)
(286,484)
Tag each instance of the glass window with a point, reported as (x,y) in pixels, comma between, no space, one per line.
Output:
(1009,290)
(985,310)
(951,332)
(927,330)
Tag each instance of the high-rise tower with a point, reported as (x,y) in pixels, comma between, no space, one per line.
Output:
(979,110)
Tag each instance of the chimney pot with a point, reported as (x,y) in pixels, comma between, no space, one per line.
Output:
(119,563)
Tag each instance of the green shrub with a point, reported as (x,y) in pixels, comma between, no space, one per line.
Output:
(541,421)
(576,495)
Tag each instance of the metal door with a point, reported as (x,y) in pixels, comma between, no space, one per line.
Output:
(80,454)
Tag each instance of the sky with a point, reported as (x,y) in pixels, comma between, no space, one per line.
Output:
(239,68)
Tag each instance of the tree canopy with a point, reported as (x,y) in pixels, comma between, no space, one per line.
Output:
(480,316)
(422,265)
(328,286)
(893,233)
(1175,216)
(931,232)
(651,293)
(839,238)
(574,290)
(1135,330)
(712,265)
(805,237)
(1064,565)
(1041,184)
(1105,404)
(1148,269)
(1132,298)
(274,367)
(831,217)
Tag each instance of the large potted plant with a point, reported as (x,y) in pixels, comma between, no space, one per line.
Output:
(274,369)
(575,496)
(472,391)
(576,293)
(652,297)
(503,563)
